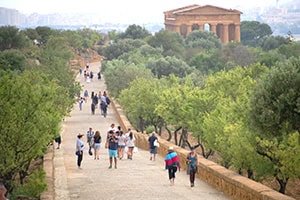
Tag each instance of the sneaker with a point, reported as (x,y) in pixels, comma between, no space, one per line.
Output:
(109,167)
(192,185)
(79,168)
(115,167)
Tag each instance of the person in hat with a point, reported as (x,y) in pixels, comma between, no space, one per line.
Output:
(192,161)
(172,164)
(79,150)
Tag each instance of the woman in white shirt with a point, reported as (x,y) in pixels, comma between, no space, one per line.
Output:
(121,144)
(130,144)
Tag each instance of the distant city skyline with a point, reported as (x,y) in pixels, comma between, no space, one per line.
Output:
(124,11)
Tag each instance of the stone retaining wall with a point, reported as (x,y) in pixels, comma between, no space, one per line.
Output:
(227,181)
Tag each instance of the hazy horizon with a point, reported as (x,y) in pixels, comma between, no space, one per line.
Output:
(124,11)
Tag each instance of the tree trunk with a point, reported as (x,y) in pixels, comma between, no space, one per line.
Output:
(175,135)
(282,184)
(170,134)
(250,174)
(141,124)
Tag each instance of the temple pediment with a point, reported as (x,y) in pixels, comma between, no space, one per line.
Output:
(201,10)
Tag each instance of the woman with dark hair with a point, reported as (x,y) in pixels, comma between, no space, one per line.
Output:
(192,161)
(130,144)
(97,141)
(79,150)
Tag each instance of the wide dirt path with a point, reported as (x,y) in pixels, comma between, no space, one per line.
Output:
(139,178)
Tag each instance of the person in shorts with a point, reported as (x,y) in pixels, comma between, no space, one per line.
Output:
(112,148)
(152,147)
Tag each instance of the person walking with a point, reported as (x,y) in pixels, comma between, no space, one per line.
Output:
(58,141)
(80,102)
(130,144)
(172,164)
(86,95)
(153,146)
(89,138)
(192,161)
(121,144)
(112,148)
(97,142)
(79,150)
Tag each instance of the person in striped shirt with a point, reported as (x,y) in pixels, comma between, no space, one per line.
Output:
(172,164)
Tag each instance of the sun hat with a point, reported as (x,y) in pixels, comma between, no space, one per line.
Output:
(80,135)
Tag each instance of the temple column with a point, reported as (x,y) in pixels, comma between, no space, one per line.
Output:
(237,32)
(189,29)
(213,28)
(201,27)
(225,33)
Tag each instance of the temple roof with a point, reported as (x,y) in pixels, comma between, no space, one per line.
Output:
(193,7)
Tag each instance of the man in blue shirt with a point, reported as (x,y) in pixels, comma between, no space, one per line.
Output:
(152,145)
(112,148)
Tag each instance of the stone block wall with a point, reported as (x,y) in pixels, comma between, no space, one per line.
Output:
(230,183)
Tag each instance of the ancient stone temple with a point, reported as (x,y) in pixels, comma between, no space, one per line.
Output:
(225,23)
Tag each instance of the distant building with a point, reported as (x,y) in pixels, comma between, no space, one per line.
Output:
(225,23)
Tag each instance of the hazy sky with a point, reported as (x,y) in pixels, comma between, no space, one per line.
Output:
(123,10)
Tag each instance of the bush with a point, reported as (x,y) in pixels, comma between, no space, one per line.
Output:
(150,129)
(32,189)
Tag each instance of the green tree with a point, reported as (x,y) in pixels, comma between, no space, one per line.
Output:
(30,118)
(140,99)
(275,116)
(290,50)
(235,53)
(276,99)
(169,65)
(44,33)
(174,106)
(272,42)
(12,38)
(206,63)
(253,31)
(141,55)
(227,95)
(202,40)
(134,32)
(120,47)
(171,43)
(119,74)
(12,60)
(269,58)
(54,62)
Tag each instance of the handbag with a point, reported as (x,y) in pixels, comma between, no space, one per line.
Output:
(77,153)
(155,143)
(90,152)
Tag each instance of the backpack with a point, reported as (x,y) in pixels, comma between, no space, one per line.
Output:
(107,100)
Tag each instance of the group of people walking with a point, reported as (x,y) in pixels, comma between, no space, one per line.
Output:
(116,142)
(101,99)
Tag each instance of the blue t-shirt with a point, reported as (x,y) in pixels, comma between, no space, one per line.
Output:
(151,141)
(113,143)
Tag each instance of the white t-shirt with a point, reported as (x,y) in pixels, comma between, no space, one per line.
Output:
(80,144)
(130,142)
(121,140)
